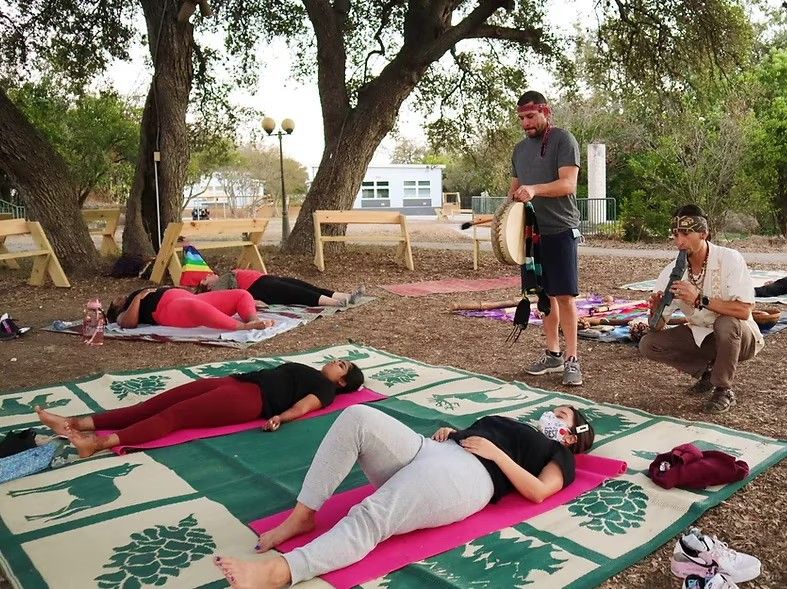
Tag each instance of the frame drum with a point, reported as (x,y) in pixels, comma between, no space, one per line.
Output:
(508,233)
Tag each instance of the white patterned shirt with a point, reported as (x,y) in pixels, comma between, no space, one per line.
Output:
(727,278)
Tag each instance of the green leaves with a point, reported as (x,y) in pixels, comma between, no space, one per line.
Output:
(156,554)
(141,386)
(394,376)
(97,134)
(612,508)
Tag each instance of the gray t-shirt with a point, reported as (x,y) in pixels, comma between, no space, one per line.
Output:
(554,214)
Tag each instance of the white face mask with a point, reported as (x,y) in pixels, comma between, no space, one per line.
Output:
(553,427)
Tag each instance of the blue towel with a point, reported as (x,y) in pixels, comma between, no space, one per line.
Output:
(28,462)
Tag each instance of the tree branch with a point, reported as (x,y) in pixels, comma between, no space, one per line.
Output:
(327,22)
(530,37)
(385,19)
(462,30)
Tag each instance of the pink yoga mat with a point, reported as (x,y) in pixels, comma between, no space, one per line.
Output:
(362,395)
(399,551)
(419,289)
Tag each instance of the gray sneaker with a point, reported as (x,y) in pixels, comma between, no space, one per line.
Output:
(546,363)
(572,373)
(356,295)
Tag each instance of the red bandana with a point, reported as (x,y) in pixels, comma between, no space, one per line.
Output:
(545,110)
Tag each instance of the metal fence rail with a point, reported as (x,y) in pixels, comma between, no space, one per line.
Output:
(597,215)
(17,211)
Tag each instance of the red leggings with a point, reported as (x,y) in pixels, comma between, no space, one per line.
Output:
(181,308)
(208,402)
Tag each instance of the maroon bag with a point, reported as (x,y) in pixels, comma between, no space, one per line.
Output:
(688,466)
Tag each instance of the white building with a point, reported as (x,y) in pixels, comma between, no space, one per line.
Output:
(414,189)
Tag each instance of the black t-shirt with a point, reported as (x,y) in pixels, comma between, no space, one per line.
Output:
(287,384)
(524,444)
(147,306)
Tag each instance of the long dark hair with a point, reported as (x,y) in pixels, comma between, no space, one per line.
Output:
(353,379)
(586,438)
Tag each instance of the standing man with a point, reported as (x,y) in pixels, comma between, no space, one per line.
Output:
(545,167)
(717,297)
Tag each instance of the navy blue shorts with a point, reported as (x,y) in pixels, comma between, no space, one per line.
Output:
(559,265)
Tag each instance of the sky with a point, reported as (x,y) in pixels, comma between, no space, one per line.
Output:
(280,96)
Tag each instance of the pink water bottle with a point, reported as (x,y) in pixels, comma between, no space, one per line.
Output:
(93,324)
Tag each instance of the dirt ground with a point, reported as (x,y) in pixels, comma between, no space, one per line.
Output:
(422,328)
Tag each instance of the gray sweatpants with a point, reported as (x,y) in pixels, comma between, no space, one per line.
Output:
(420,484)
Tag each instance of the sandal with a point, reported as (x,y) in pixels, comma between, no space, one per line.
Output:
(721,401)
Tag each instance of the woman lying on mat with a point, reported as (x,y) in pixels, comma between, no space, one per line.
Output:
(177,307)
(421,483)
(279,290)
(278,394)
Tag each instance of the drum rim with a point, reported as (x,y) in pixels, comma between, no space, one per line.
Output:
(503,253)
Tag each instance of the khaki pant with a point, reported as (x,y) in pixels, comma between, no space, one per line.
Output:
(731,342)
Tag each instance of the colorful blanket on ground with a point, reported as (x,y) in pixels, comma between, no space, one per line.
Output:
(589,307)
(760,277)
(156,517)
(420,289)
(287,317)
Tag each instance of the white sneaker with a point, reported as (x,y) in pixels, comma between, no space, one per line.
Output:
(717,581)
(698,554)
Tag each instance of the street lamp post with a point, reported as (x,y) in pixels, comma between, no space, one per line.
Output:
(287,127)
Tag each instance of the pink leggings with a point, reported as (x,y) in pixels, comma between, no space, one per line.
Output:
(181,308)
(208,402)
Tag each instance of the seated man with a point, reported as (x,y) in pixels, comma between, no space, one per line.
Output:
(776,288)
(717,297)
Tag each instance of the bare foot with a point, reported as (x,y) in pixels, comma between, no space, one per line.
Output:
(300,521)
(270,573)
(342,297)
(58,424)
(259,324)
(86,444)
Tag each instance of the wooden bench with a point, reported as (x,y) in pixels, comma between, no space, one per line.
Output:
(404,251)
(45,262)
(248,230)
(6,216)
(477,239)
(110,217)
(447,211)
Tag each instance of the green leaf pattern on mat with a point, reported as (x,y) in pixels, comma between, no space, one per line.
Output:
(12,406)
(613,508)
(531,418)
(156,554)
(141,386)
(350,356)
(394,376)
(604,423)
(230,368)
(490,562)
(442,401)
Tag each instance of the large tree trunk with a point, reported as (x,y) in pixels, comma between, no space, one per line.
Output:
(163,130)
(349,147)
(47,187)
(352,134)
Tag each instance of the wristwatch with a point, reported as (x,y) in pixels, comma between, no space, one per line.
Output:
(704,302)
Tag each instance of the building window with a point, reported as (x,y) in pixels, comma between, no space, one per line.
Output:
(417,189)
(374,189)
